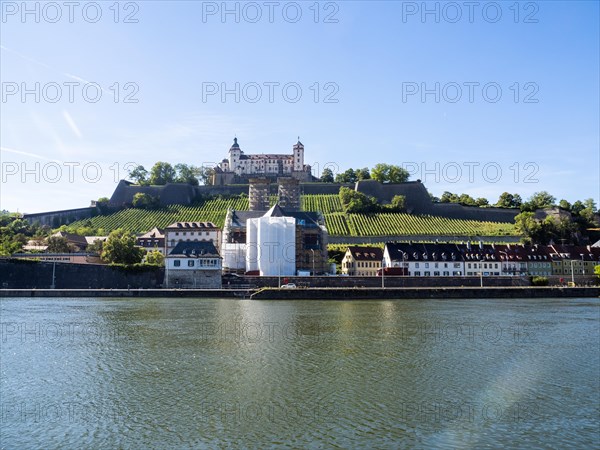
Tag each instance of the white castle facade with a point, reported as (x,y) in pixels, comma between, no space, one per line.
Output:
(241,166)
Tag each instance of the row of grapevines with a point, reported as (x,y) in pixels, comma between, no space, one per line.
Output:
(390,224)
(139,220)
(320,202)
(336,224)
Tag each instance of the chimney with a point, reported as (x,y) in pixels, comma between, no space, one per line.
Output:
(258,195)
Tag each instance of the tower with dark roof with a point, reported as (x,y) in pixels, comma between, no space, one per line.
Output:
(235,154)
(298,156)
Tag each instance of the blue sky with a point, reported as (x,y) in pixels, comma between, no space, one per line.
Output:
(532,72)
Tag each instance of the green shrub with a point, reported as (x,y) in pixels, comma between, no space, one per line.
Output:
(539,281)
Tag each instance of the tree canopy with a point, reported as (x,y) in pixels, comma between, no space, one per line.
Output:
(144,201)
(539,200)
(388,173)
(16,231)
(353,175)
(327,175)
(357,202)
(58,244)
(162,173)
(155,258)
(508,200)
(120,248)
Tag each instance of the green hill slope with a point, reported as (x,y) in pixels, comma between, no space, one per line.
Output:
(338,223)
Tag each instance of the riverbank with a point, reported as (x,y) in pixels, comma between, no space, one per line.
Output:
(320,293)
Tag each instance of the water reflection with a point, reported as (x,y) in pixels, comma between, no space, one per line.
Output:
(219,373)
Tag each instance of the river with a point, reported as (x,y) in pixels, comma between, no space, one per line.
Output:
(222,373)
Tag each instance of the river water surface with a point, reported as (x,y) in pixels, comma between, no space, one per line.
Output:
(222,373)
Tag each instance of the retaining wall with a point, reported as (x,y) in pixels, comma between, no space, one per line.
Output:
(19,274)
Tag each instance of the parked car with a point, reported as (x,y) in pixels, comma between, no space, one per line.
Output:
(288,286)
(231,276)
(234,279)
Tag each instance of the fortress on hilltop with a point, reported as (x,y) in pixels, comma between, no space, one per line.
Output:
(284,175)
(240,167)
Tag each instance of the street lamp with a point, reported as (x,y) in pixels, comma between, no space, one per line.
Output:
(383,273)
(582,264)
(313,261)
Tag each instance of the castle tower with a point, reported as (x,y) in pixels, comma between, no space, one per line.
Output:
(298,156)
(234,155)
(289,193)
(258,194)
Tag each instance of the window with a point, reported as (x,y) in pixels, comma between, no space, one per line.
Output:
(417,274)
(176,263)
(446,274)
(457,265)
(468,265)
(427,267)
(427,274)
(436,265)
(190,263)
(416,265)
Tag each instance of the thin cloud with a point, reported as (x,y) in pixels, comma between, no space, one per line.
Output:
(72,124)
(39,63)
(31,155)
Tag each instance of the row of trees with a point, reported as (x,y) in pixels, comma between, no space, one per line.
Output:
(162,173)
(15,232)
(463,199)
(545,231)
(582,221)
(119,247)
(538,200)
(384,173)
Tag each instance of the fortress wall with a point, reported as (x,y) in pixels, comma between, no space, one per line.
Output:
(323,188)
(55,219)
(456,211)
(236,189)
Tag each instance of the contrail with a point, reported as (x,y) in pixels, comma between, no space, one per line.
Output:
(31,155)
(34,61)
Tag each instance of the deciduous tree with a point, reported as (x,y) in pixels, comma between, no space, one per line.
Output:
(120,248)
(162,173)
(388,173)
(327,175)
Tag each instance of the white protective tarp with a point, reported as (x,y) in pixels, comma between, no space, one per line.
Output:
(234,256)
(251,245)
(271,246)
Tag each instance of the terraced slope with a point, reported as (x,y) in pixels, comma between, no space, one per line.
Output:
(338,223)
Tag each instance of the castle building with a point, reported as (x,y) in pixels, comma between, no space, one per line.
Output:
(240,167)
